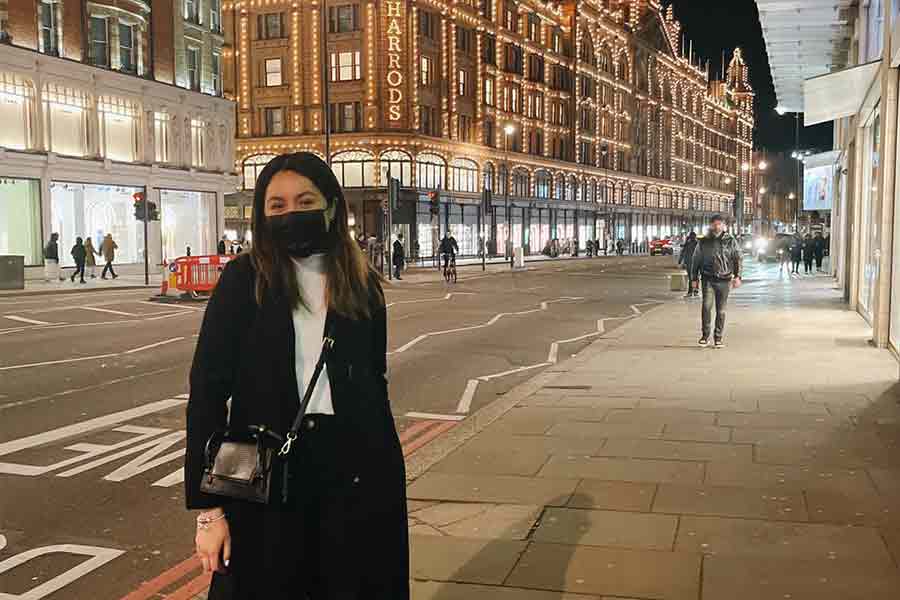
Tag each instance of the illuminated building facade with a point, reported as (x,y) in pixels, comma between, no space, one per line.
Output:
(587,119)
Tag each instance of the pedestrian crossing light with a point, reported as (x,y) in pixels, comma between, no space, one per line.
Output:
(141,207)
(435,203)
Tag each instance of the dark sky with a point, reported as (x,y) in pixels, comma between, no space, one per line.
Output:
(717,25)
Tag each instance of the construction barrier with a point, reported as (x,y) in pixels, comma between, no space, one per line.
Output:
(193,275)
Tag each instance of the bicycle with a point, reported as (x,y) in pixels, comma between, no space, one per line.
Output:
(450,267)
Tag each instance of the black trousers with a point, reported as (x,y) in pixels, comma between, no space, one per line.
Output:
(79,270)
(108,267)
(808,264)
(795,265)
(715,293)
(819,258)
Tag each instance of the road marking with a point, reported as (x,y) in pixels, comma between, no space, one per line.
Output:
(156,345)
(465,403)
(106,310)
(513,371)
(56,362)
(441,299)
(149,589)
(163,305)
(434,416)
(543,306)
(61,433)
(24,320)
(411,431)
(123,322)
(191,588)
(99,557)
(427,437)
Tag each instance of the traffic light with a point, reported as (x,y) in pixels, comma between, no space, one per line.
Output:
(394,193)
(141,206)
(435,202)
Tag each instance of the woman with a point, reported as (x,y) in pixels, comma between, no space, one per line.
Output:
(90,253)
(79,256)
(342,533)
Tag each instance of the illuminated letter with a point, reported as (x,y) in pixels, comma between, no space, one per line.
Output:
(393,8)
(394,44)
(395,78)
(394,95)
(394,61)
(394,112)
(394,28)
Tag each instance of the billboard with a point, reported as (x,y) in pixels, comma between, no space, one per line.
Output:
(818,181)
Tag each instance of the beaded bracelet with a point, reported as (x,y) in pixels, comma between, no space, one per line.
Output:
(203,522)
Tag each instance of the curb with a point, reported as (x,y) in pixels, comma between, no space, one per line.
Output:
(26,293)
(426,457)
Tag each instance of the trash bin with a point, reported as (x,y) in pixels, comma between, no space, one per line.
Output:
(12,272)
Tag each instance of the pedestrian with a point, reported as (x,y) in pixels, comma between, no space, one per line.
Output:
(399,256)
(90,256)
(220,247)
(819,250)
(620,247)
(717,261)
(796,254)
(108,250)
(51,258)
(685,260)
(808,254)
(335,523)
(79,256)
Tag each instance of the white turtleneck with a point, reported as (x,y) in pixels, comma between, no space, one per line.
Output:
(309,326)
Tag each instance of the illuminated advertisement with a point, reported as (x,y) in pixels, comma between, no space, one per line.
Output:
(818,186)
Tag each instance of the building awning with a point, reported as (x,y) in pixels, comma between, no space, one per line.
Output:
(839,94)
(804,39)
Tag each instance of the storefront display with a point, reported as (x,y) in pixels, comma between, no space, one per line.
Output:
(20,219)
(186,219)
(869,241)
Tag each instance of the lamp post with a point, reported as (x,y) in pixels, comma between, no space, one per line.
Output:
(508,130)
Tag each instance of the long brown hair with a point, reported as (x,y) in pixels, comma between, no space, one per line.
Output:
(351,285)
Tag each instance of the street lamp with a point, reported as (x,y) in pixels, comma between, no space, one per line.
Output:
(763,165)
(508,130)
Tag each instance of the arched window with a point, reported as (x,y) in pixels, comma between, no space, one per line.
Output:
(559,187)
(571,188)
(489,176)
(463,175)
(398,164)
(542,184)
(354,168)
(605,61)
(587,50)
(520,183)
(430,171)
(251,167)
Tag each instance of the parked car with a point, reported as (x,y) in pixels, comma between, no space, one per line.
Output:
(770,249)
(662,247)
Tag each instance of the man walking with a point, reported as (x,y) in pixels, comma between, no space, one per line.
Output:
(108,250)
(686,260)
(717,260)
(399,256)
(51,258)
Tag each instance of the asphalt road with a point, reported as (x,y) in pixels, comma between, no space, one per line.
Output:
(92,394)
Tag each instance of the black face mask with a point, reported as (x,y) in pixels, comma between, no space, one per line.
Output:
(300,233)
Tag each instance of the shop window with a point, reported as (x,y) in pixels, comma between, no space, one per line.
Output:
(251,168)
(343,19)
(65,110)
(20,219)
(161,133)
(127,58)
(49,27)
(354,169)
(274,121)
(346,66)
(542,184)
(430,171)
(118,128)
(269,26)
(463,175)
(99,42)
(16,94)
(186,221)
(273,72)
(198,143)
(87,210)
(398,165)
(192,58)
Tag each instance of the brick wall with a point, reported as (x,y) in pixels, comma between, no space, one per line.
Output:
(23,23)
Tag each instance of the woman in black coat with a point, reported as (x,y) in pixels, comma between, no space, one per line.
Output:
(796,253)
(809,252)
(342,533)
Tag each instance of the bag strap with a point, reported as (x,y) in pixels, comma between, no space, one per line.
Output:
(327,345)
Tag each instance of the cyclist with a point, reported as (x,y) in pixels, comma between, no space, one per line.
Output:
(449,249)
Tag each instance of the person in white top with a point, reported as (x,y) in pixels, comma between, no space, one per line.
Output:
(337,526)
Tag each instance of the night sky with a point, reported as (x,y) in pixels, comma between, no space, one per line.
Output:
(717,25)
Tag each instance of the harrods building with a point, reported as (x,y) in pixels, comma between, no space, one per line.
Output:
(587,119)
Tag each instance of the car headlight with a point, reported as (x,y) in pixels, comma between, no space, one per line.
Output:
(748,245)
(761,244)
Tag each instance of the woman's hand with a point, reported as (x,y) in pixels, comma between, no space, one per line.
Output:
(213,542)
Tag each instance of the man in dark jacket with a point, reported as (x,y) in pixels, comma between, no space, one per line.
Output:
(399,256)
(51,258)
(686,258)
(819,250)
(717,260)
(220,247)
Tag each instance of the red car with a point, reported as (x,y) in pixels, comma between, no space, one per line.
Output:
(661,247)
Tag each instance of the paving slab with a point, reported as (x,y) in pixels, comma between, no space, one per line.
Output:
(549,444)
(672,450)
(887,481)
(497,460)
(892,540)
(616,529)
(808,437)
(579,401)
(604,431)
(660,416)
(644,574)
(767,539)
(755,578)
(499,489)
(476,520)
(845,455)
(685,432)
(834,507)
(463,560)
(850,481)
(781,421)
(529,420)
(434,590)
(728,501)
(613,495)
(624,469)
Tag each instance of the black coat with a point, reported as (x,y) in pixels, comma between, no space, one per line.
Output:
(398,254)
(247,352)
(79,255)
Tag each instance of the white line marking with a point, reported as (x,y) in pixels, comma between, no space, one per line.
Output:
(435,416)
(105,310)
(441,299)
(86,426)
(543,306)
(98,557)
(513,371)
(465,403)
(56,362)
(156,345)
(122,322)
(164,305)
(24,320)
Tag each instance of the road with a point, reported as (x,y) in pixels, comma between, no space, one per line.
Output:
(93,387)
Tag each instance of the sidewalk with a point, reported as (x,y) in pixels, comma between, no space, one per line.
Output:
(39,287)
(649,468)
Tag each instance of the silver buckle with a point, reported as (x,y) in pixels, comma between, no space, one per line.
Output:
(286,447)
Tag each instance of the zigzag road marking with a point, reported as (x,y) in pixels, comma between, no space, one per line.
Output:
(447,297)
